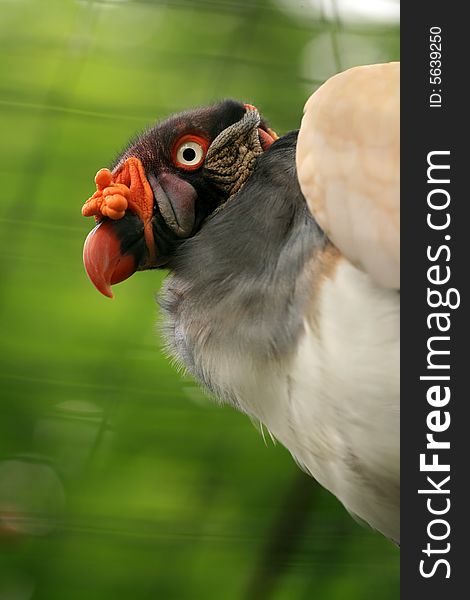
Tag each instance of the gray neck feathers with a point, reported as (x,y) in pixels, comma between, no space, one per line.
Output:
(242,279)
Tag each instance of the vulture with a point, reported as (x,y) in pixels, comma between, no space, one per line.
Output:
(282,297)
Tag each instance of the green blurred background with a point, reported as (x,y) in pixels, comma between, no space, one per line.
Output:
(119,478)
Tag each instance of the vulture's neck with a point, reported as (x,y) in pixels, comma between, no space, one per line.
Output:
(242,282)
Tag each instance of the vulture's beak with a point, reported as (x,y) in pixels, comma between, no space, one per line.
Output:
(114,250)
(104,260)
(123,240)
(109,258)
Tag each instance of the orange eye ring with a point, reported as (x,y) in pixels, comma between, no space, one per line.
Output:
(189,151)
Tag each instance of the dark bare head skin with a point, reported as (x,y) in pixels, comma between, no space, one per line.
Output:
(227,138)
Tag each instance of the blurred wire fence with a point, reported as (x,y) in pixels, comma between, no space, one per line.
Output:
(118,477)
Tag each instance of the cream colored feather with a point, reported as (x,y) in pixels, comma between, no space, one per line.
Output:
(348,166)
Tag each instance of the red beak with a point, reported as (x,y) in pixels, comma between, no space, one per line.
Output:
(125,189)
(103,259)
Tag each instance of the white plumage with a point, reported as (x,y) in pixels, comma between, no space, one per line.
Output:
(348,163)
(334,404)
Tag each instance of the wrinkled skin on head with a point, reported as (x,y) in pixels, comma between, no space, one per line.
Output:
(164,186)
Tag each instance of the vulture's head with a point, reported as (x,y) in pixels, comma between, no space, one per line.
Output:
(166,184)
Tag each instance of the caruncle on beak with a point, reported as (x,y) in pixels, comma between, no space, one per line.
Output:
(110,258)
(123,240)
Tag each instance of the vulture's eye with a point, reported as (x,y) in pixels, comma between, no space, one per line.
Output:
(189,152)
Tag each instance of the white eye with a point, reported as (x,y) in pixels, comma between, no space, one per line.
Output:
(190,154)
